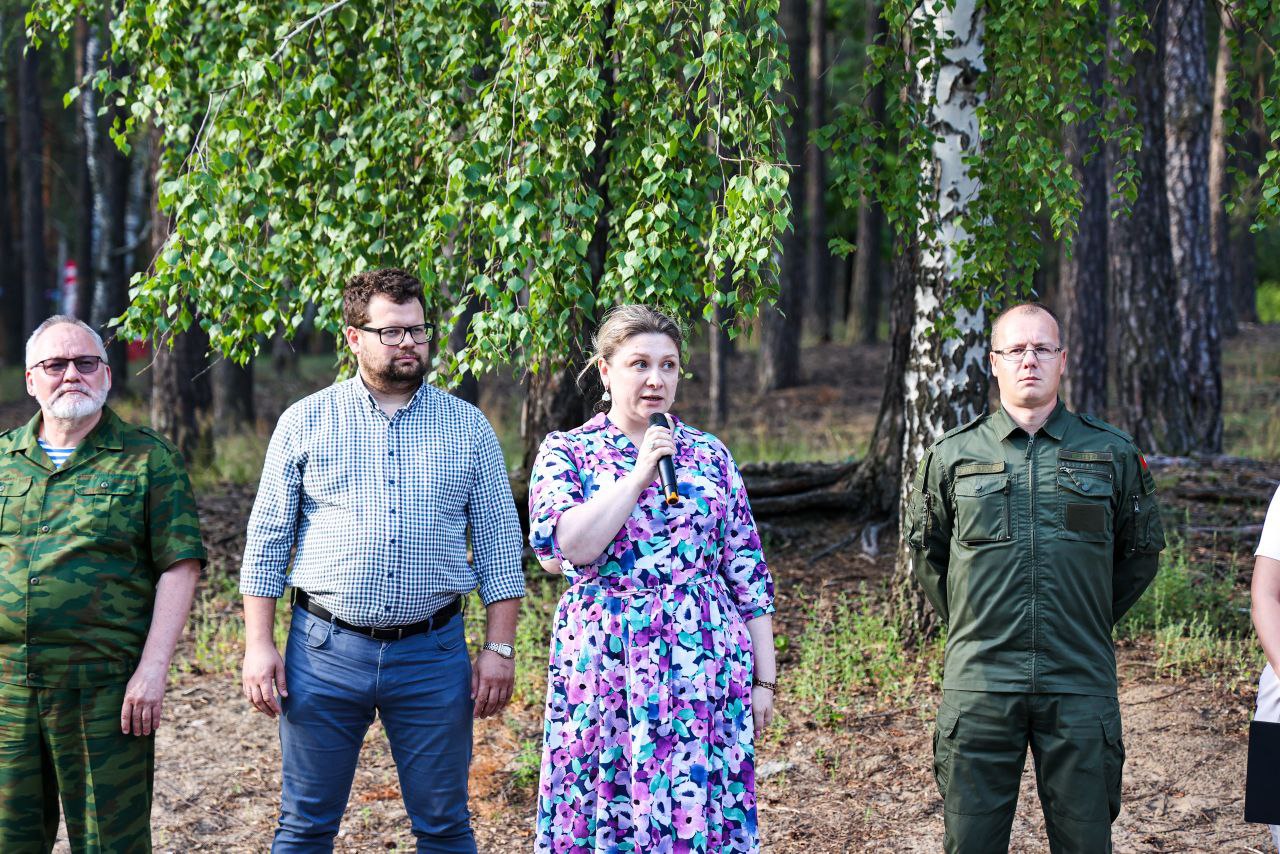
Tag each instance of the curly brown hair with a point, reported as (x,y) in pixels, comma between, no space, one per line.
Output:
(393,283)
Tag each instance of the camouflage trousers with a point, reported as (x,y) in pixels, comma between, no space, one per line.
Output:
(57,742)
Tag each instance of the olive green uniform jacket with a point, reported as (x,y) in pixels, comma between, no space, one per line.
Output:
(1031,548)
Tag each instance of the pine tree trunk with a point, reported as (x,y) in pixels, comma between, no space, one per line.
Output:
(1083,277)
(35,267)
(1148,377)
(819,269)
(780,327)
(233,404)
(11,289)
(945,380)
(1186,107)
(1219,223)
(866,292)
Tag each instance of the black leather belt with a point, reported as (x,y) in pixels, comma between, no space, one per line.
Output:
(435,621)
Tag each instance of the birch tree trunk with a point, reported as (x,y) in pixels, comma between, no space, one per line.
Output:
(1083,276)
(780,326)
(11,290)
(945,380)
(1186,109)
(1148,377)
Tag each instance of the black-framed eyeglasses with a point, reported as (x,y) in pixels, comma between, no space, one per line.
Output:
(393,335)
(1016,354)
(58,367)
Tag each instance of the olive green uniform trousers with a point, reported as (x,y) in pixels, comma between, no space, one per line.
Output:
(67,742)
(980,748)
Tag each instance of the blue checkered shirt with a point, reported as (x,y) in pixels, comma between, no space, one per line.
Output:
(369,514)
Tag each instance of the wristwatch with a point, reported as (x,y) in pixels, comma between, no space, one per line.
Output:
(505,650)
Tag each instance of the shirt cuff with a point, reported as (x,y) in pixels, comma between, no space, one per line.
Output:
(269,585)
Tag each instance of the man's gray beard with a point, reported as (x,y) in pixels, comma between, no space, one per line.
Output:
(75,407)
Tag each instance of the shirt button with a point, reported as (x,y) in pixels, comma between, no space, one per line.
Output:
(44,529)
(391,453)
(393,539)
(392,481)
(393,509)
(35,579)
(102,485)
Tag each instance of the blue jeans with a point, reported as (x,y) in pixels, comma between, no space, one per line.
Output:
(337,680)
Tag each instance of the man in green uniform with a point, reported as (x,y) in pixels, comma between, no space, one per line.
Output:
(1033,530)
(99,556)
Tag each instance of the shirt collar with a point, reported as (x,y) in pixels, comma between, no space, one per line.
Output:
(358,387)
(108,433)
(1055,425)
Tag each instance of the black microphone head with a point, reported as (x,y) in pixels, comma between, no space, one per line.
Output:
(658,419)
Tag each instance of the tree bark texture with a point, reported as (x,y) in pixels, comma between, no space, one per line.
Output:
(1083,273)
(468,387)
(1186,107)
(945,379)
(868,284)
(85,66)
(36,282)
(1148,376)
(780,327)
(1219,186)
(233,404)
(721,350)
(552,401)
(819,267)
(11,286)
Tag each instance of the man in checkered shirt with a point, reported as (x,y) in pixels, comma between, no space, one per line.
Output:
(368,492)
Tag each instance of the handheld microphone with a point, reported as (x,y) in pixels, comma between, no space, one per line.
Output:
(666,468)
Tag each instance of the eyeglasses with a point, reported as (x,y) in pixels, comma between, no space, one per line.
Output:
(1015,354)
(58,367)
(393,335)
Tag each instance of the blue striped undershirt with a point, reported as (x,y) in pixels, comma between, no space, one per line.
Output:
(57,456)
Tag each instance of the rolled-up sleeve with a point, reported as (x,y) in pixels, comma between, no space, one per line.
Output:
(495,525)
(742,560)
(273,524)
(555,485)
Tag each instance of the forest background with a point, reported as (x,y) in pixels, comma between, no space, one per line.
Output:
(834,195)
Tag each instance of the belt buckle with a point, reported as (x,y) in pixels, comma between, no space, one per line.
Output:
(400,633)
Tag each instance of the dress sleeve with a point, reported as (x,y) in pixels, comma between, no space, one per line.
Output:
(554,486)
(742,560)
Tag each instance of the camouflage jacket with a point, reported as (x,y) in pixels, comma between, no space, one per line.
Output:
(1032,548)
(81,549)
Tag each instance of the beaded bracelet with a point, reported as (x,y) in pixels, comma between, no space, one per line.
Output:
(760,683)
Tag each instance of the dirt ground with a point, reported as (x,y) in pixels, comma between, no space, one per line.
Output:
(862,786)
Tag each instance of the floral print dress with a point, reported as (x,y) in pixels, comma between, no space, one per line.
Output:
(648,735)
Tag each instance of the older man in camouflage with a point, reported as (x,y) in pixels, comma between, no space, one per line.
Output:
(99,556)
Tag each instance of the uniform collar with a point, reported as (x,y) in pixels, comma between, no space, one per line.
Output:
(107,434)
(1055,425)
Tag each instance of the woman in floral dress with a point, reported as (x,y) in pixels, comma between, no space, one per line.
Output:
(662,662)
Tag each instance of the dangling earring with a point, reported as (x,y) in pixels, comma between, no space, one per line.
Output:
(602,405)
(605,397)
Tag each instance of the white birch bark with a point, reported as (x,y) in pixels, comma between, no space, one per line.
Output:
(945,381)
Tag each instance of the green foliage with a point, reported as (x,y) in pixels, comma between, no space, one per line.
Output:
(849,656)
(1269,302)
(1181,593)
(1255,79)
(484,146)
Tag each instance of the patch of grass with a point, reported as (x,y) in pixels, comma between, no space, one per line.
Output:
(13,385)
(1199,622)
(1251,396)
(848,649)
(216,630)
(237,458)
(798,442)
(533,634)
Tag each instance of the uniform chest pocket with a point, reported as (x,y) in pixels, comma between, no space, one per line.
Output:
(982,505)
(1084,504)
(13,496)
(107,505)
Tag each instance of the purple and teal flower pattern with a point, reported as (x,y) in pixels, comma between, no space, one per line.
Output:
(648,735)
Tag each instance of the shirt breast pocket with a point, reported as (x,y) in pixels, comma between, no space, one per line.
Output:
(1085,503)
(982,504)
(13,495)
(107,506)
